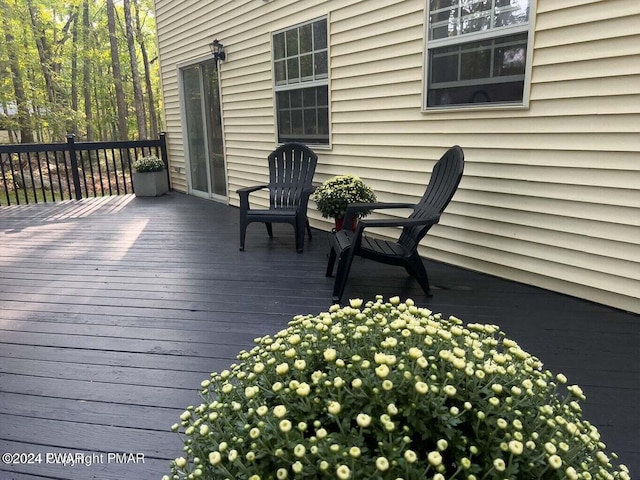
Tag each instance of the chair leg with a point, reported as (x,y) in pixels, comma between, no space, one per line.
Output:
(331,263)
(269,229)
(308,230)
(415,268)
(299,226)
(243,233)
(299,238)
(344,266)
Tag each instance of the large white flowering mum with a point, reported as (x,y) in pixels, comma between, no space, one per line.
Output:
(389,391)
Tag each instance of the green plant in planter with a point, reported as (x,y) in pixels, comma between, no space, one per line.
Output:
(149,163)
(333,196)
(387,390)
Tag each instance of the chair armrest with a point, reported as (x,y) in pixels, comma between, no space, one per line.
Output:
(356,237)
(399,222)
(247,190)
(243,193)
(354,208)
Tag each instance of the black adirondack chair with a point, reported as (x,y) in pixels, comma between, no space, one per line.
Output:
(291,169)
(345,244)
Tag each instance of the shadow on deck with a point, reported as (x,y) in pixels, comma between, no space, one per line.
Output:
(112,310)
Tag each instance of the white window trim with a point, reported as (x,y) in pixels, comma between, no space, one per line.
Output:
(319,82)
(473,37)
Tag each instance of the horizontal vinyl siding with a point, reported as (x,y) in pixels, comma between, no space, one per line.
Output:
(551,193)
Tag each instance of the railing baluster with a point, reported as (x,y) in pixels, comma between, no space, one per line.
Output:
(60,183)
(99,165)
(33,186)
(51,183)
(91,172)
(115,169)
(106,166)
(42,184)
(123,161)
(67,161)
(81,168)
(4,178)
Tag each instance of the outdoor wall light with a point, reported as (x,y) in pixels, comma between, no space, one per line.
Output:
(218,50)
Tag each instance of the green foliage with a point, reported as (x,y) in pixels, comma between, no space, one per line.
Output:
(148,164)
(387,390)
(333,196)
(57,104)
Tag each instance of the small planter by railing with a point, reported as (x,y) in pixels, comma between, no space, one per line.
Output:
(149,177)
(34,173)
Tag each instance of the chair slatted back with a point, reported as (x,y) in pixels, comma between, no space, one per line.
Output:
(443,184)
(291,170)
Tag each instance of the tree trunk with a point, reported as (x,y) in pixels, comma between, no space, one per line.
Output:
(24,117)
(153,116)
(86,69)
(74,78)
(121,105)
(135,75)
(43,52)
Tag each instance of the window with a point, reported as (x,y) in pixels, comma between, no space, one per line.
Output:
(301,76)
(476,52)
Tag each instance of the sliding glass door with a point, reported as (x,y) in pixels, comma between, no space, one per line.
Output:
(205,152)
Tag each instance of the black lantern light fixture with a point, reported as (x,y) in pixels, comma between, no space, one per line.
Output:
(218,50)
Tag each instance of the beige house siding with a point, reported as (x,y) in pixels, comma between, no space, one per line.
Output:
(551,193)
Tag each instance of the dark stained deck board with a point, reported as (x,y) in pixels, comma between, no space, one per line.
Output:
(105,303)
(96,391)
(151,468)
(87,412)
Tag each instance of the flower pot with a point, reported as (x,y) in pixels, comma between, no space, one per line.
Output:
(150,184)
(340,223)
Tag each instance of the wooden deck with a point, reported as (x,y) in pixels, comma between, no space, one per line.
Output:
(113,310)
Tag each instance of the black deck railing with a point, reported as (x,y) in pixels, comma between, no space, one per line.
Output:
(33,173)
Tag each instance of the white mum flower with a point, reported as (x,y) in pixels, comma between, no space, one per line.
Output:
(382,464)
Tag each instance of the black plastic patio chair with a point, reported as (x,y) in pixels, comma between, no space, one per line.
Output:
(291,169)
(346,244)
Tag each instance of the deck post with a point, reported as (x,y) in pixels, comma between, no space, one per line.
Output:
(74,165)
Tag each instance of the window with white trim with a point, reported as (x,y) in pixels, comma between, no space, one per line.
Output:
(301,83)
(476,52)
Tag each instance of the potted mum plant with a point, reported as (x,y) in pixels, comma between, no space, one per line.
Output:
(333,196)
(149,177)
(387,390)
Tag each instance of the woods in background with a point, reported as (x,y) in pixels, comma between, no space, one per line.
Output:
(86,67)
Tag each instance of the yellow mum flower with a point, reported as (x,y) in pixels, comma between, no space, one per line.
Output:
(282,369)
(434,458)
(330,354)
(422,387)
(382,464)
(410,456)
(343,472)
(279,411)
(382,371)
(555,462)
(363,420)
(285,426)
(516,447)
(299,450)
(334,408)
(303,389)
